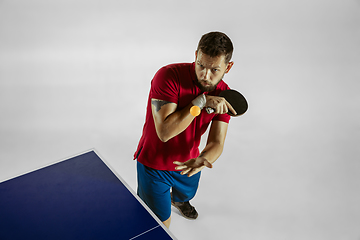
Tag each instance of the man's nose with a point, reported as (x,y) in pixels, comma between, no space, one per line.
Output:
(207,74)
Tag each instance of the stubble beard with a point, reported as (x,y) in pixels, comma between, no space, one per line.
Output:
(210,88)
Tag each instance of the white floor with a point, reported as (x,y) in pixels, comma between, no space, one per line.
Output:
(75,76)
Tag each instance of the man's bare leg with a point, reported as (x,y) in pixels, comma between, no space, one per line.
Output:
(167,222)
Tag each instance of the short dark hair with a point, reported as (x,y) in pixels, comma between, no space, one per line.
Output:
(215,44)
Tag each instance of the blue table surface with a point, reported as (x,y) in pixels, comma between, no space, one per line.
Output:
(78,198)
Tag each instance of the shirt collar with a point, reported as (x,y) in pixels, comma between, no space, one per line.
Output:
(193,74)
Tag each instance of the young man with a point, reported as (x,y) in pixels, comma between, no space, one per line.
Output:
(168,157)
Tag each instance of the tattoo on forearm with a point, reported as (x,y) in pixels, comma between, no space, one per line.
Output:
(158,104)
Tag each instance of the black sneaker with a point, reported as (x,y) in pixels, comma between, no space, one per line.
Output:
(185,209)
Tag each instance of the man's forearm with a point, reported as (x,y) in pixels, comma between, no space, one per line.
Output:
(175,123)
(216,140)
(212,151)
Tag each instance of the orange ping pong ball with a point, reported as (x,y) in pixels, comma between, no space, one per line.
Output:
(195,111)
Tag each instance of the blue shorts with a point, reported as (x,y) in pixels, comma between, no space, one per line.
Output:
(154,188)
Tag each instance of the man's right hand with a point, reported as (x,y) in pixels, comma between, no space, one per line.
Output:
(219,104)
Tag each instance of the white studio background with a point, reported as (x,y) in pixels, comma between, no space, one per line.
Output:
(75,75)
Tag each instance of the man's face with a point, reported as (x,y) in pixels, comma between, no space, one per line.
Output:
(209,71)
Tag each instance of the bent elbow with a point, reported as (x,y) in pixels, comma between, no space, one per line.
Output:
(163,137)
(164,140)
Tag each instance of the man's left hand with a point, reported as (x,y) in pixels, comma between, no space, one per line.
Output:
(193,166)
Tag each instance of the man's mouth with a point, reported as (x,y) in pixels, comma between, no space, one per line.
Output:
(206,84)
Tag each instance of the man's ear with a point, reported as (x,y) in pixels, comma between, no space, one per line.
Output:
(229,66)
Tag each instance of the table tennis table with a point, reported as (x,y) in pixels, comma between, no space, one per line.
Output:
(77,198)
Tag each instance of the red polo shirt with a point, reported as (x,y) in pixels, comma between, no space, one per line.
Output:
(175,83)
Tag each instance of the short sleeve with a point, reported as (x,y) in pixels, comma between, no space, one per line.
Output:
(222,117)
(165,85)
